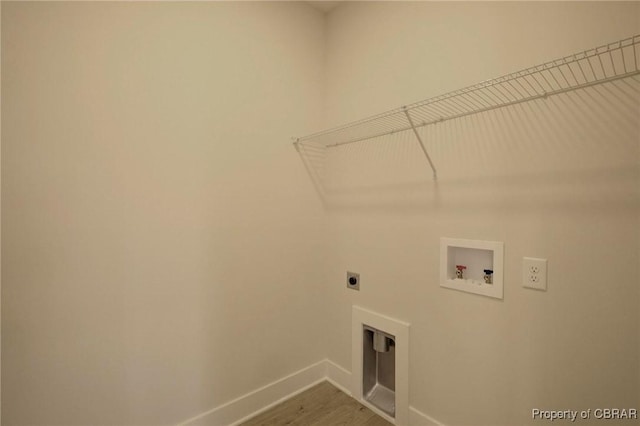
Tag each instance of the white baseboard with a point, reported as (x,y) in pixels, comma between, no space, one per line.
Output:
(253,403)
(418,418)
(338,376)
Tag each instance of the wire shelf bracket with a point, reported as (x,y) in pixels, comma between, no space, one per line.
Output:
(602,64)
(415,131)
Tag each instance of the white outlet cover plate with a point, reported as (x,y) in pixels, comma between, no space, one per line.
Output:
(534,273)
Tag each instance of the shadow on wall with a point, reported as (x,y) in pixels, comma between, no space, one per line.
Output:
(574,150)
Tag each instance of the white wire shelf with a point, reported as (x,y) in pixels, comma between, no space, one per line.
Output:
(599,65)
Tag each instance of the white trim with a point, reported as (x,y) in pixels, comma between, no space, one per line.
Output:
(339,377)
(253,403)
(400,330)
(418,418)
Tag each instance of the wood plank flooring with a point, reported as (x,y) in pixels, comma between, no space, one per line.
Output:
(321,405)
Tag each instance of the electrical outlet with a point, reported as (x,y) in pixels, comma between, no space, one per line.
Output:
(534,273)
(353,280)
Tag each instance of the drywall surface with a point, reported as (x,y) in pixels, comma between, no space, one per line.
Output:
(555,179)
(161,241)
(0,234)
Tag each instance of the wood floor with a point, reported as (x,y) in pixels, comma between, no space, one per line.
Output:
(321,405)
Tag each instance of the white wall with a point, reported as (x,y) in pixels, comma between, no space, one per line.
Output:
(162,244)
(0,229)
(164,251)
(556,179)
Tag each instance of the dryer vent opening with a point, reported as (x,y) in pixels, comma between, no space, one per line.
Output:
(379,372)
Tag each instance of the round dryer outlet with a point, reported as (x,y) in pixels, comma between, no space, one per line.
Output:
(353,280)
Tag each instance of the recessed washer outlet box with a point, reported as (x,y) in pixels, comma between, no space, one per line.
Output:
(472,266)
